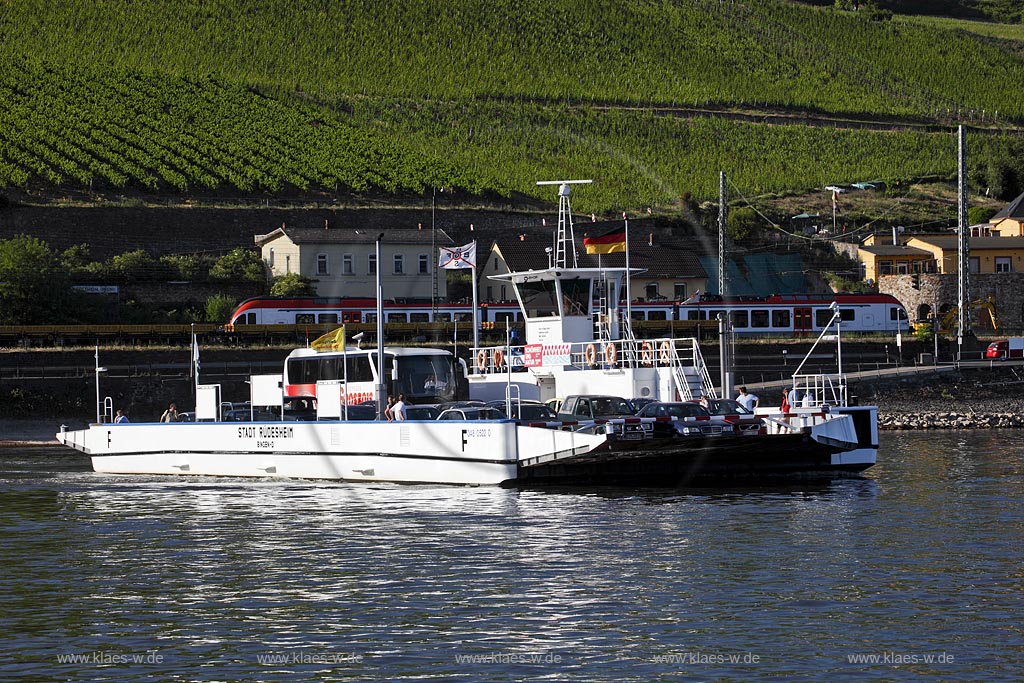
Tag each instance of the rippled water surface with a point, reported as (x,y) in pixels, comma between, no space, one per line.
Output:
(222,580)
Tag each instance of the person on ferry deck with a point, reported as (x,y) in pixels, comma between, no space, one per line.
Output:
(747,400)
(120,418)
(398,410)
(171,414)
(785,402)
(388,412)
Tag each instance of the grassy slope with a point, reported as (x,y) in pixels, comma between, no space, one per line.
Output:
(257,96)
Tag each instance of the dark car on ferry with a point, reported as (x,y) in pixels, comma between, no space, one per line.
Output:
(745,421)
(685,419)
(525,412)
(472,413)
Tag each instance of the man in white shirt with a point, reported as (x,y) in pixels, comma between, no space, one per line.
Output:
(748,401)
(398,410)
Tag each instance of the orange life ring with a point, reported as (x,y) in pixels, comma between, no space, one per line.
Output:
(647,353)
(590,355)
(611,354)
(665,352)
(481,360)
(499,358)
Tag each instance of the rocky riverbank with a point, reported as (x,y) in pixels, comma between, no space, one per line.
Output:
(984,398)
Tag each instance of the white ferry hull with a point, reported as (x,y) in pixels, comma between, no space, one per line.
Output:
(461,453)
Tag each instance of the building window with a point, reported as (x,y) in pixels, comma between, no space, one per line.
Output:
(974,264)
(399,264)
(271,259)
(287,264)
(424,264)
(371,264)
(504,293)
(347,265)
(902,268)
(651,292)
(885,268)
(679,291)
(1004,264)
(321,264)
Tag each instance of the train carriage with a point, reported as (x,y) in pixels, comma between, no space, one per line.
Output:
(780,315)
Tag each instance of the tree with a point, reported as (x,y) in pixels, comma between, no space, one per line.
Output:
(979,214)
(292,284)
(239,265)
(219,308)
(33,286)
(742,223)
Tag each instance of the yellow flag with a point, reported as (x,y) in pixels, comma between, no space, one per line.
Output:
(332,341)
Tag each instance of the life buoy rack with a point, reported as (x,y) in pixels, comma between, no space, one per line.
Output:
(590,355)
(499,359)
(611,354)
(665,351)
(647,354)
(481,360)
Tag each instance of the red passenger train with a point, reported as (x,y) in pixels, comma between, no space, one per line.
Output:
(780,315)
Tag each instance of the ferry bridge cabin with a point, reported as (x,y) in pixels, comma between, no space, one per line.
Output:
(781,315)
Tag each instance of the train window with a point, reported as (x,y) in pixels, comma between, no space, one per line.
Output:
(847,315)
(822,317)
(740,319)
(464,317)
(897,313)
(639,315)
(759,318)
(305,319)
(780,319)
(250,318)
(396,317)
(442,317)
(327,318)
(419,317)
(713,315)
(657,315)
(696,315)
(500,317)
(350,317)
(370,318)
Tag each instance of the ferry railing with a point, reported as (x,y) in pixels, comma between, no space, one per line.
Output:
(818,390)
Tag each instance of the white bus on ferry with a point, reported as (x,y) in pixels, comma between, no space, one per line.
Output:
(423,375)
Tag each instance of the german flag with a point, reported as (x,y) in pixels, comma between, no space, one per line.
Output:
(609,242)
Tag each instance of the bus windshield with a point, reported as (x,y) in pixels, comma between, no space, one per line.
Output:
(426,379)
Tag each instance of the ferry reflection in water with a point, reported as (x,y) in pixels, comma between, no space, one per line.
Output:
(921,557)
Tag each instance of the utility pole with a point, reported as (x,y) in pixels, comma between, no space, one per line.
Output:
(963,248)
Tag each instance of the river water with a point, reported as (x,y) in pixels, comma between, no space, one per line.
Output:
(915,569)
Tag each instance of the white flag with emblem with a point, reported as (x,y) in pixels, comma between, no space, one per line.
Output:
(459,257)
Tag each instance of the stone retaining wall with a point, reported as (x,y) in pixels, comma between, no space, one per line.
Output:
(935,420)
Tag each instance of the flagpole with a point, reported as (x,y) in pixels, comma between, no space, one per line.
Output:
(629,296)
(476,321)
(382,396)
(195,360)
